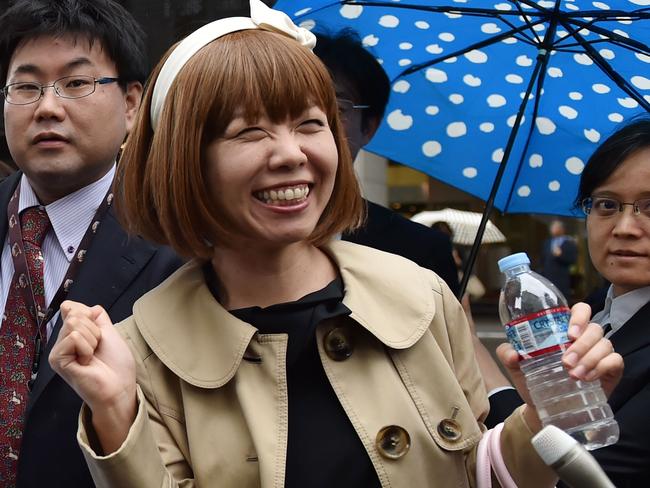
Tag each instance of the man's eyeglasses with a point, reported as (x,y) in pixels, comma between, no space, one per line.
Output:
(23,93)
(607,207)
(347,106)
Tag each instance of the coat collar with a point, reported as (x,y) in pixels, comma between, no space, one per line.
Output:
(197,339)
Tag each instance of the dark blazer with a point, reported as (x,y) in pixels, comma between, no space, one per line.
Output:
(390,232)
(557,268)
(117,270)
(627,462)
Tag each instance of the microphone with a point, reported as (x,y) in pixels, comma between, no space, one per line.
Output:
(572,463)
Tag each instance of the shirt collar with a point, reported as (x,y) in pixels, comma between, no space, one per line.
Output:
(71,215)
(618,310)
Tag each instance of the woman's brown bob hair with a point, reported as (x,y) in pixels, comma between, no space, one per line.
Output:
(161,189)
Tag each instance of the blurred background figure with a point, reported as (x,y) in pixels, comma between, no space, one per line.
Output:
(362,91)
(559,253)
(475,289)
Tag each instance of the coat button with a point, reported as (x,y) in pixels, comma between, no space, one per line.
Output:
(449,429)
(393,442)
(337,344)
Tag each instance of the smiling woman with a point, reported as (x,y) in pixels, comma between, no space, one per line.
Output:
(279,356)
(269,105)
(615,194)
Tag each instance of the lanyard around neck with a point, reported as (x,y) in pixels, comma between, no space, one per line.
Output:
(41,313)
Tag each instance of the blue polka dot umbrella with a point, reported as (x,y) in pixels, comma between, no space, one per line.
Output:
(503,99)
(460,70)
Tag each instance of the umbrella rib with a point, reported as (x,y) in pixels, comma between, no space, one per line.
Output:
(575,18)
(524,152)
(527,21)
(541,61)
(571,32)
(611,15)
(610,72)
(527,39)
(546,45)
(613,36)
(630,48)
(476,45)
(559,46)
(489,204)
(567,47)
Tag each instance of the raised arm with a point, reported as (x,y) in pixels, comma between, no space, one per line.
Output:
(94,360)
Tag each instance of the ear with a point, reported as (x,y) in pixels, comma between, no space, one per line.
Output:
(372,124)
(132,99)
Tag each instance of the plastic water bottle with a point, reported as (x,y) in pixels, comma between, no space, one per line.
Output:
(536,318)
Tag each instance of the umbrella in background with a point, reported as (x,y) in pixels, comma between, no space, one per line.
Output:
(502,99)
(463,224)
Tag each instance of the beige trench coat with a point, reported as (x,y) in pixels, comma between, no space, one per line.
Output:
(213,392)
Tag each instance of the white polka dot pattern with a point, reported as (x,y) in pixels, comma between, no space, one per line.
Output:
(452,114)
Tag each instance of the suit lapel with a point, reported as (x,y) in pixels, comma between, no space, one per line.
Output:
(634,334)
(632,342)
(113,261)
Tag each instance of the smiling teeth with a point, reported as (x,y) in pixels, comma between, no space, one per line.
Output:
(286,196)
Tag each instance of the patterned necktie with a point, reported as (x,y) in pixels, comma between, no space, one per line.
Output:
(17,341)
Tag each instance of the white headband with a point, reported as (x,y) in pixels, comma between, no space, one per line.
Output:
(262,17)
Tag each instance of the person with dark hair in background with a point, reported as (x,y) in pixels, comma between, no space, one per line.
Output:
(559,253)
(614,193)
(72,74)
(617,176)
(362,90)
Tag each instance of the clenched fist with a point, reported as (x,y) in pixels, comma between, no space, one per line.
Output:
(94,360)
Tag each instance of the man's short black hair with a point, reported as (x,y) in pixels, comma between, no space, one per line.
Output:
(611,154)
(93,20)
(345,56)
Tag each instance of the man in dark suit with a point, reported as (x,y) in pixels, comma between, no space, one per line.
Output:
(559,253)
(362,89)
(72,72)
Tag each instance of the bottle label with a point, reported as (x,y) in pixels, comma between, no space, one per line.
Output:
(539,333)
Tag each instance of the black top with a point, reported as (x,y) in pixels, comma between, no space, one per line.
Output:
(323,449)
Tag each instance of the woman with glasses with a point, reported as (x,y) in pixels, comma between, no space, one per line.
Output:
(615,195)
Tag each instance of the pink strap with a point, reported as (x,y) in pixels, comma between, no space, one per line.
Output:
(489,458)
(483,468)
(496,459)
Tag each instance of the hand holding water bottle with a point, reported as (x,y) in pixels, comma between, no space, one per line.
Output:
(594,353)
(555,357)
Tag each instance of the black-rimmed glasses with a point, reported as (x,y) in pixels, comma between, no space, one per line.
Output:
(26,92)
(607,207)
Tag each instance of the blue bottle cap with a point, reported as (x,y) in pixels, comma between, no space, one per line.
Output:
(513,260)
